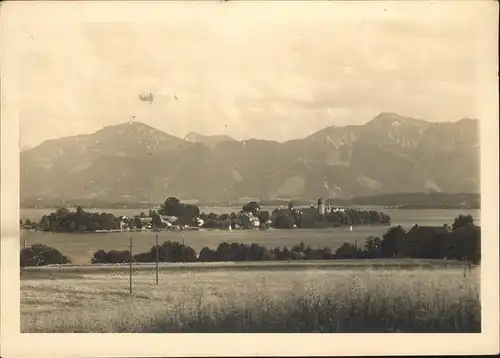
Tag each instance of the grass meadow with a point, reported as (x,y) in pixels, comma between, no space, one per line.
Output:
(362,299)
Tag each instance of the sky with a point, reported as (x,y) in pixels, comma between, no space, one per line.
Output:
(271,70)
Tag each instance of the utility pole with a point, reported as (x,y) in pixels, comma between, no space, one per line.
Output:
(157,258)
(130,266)
(183,251)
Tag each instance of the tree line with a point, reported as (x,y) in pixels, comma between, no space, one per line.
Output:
(64,220)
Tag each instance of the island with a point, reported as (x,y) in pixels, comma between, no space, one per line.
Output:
(175,215)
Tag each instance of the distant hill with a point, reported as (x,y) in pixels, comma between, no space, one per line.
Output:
(416,200)
(133,162)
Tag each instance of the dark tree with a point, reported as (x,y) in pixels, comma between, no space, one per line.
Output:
(186,213)
(284,220)
(373,247)
(40,255)
(392,240)
(172,207)
(207,255)
(264,216)
(299,248)
(374,217)
(223,252)
(466,243)
(326,254)
(462,220)
(138,223)
(348,251)
(213,216)
(252,207)
(156,220)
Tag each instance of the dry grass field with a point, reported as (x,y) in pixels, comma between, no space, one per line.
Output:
(356,299)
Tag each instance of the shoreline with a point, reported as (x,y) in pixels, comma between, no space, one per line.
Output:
(201,229)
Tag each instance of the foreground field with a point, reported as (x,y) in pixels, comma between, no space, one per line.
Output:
(268,300)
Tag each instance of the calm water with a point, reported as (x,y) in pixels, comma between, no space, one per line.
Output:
(81,247)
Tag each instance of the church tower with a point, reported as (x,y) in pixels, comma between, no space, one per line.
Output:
(321,206)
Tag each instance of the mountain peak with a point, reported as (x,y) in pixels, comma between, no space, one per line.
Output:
(468,120)
(134,126)
(210,140)
(391,118)
(193,136)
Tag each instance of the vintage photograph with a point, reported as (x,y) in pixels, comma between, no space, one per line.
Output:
(244,167)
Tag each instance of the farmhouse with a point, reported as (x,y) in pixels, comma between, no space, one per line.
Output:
(146,220)
(169,219)
(420,241)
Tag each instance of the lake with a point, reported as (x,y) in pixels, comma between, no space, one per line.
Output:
(81,247)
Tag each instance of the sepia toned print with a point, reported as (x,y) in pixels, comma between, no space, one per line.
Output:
(222,151)
(223,169)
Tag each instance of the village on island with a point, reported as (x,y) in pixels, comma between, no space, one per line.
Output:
(174,215)
(251,216)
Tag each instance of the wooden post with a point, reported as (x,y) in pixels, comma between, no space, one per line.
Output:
(130,266)
(24,244)
(157,258)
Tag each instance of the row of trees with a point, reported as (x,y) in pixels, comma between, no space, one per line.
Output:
(175,252)
(169,251)
(255,252)
(64,220)
(462,242)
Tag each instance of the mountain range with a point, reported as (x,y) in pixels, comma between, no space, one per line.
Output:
(133,162)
